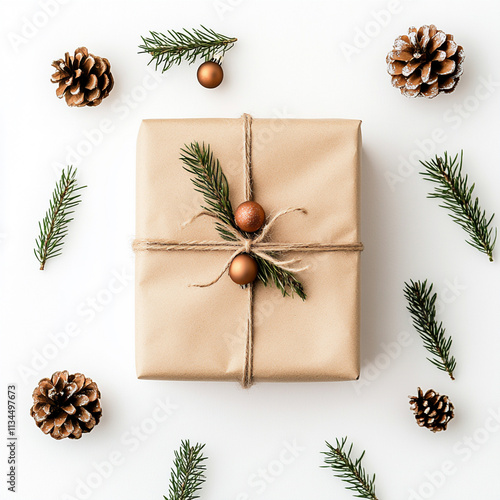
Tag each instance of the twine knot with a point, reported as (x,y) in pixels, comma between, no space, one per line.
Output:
(256,245)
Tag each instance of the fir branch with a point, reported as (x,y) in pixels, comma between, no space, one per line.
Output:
(175,46)
(456,195)
(422,307)
(209,180)
(284,280)
(188,472)
(351,471)
(54,226)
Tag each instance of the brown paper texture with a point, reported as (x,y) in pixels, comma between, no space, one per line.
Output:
(188,333)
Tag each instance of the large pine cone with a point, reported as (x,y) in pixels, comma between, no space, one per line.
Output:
(66,405)
(425,62)
(84,79)
(432,410)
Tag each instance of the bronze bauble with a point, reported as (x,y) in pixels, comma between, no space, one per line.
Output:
(210,74)
(243,269)
(250,216)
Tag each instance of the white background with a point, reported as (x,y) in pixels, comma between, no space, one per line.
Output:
(291,59)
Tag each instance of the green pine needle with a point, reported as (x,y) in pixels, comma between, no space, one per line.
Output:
(175,46)
(54,226)
(457,197)
(188,472)
(209,180)
(351,471)
(422,307)
(284,280)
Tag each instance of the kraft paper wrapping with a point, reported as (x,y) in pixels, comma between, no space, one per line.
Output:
(189,333)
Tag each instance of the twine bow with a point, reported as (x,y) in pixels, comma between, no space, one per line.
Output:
(257,245)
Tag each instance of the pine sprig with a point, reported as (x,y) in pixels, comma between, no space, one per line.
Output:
(209,180)
(350,470)
(54,226)
(422,307)
(188,472)
(457,197)
(284,280)
(175,46)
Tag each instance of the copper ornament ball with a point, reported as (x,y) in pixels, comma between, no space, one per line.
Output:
(210,74)
(249,216)
(243,269)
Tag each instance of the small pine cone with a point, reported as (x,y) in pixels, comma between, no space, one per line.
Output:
(66,405)
(432,410)
(425,62)
(83,79)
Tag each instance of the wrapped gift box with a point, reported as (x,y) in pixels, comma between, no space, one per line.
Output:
(189,333)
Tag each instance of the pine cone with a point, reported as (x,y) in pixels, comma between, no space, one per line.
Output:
(432,410)
(66,405)
(84,79)
(425,62)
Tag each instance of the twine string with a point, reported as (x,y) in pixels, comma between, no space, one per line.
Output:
(252,245)
(140,245)
(247,379)
(247,158)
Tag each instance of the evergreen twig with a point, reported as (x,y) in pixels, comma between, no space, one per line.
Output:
(209,180)
(188,472)
(350,470)
(175,46)
(457,197)
(54,226)
(284,280)
(422,307)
